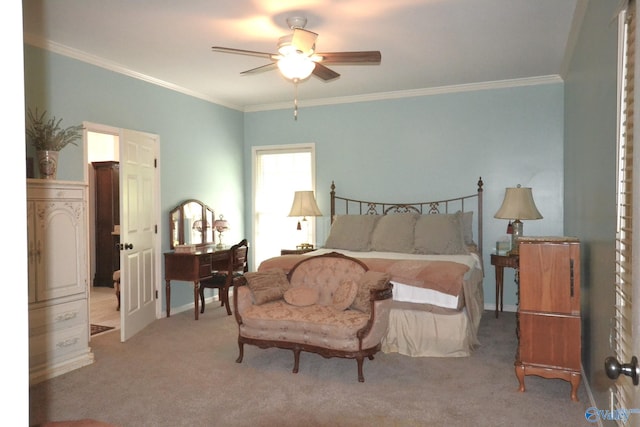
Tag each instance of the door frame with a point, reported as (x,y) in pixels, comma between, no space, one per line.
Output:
(105,129)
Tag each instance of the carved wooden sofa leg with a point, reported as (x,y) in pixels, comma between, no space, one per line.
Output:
(241,345)
(360,360)
(296,360)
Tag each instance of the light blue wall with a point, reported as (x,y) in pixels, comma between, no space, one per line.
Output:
(429,147)
(590,181)
(402,149)
(200,142)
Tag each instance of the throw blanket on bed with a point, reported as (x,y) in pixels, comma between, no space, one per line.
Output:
(443,276)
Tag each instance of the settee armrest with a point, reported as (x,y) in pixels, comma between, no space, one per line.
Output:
(242,298)
(372,333)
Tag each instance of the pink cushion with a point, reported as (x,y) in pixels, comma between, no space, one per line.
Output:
(301,296)
(345,294)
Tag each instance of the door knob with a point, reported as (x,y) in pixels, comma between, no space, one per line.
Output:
(128,245)
(613,368)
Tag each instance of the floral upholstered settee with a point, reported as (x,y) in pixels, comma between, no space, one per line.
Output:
(328,304)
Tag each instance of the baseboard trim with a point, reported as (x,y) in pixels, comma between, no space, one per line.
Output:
(46,372)
(507,308)
(592,400)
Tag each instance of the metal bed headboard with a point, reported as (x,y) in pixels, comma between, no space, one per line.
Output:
(472,202)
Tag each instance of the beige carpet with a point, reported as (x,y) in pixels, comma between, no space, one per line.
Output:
(182,372)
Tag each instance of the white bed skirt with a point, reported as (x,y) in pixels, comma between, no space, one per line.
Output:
(419,333)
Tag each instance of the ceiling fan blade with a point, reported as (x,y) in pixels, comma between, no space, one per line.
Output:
(368,57)
(243,52)
(324,73)
(304,40)
(267,67)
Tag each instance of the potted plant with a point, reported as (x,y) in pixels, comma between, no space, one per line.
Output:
(48,138)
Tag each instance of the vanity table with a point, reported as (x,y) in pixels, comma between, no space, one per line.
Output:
(193,267)
(194,256)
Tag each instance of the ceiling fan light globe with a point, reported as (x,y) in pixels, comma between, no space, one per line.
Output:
(296,66)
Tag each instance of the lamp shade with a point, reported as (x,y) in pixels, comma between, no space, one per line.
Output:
(304,204)
(518,204)
(221,224)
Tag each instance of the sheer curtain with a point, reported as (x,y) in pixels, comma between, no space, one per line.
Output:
(278,173)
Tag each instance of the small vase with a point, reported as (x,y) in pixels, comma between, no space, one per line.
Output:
(48,164)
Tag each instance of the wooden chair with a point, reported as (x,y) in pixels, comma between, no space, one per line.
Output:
(222,280)
(116,285)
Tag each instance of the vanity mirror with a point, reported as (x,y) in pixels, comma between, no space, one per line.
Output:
(191,223)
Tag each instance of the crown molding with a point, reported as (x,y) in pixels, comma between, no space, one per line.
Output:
(115,67)
(381,96)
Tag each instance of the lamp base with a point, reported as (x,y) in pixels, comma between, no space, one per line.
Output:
(515,236)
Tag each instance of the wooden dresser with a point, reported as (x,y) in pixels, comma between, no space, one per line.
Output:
(548,318)
(58,276)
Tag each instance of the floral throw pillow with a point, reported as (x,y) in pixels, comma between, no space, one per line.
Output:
(371,280)
(344,296)
(267,286)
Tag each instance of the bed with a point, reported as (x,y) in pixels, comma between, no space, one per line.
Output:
(433,252)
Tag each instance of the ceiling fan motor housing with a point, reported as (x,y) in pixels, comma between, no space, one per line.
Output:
(296,22)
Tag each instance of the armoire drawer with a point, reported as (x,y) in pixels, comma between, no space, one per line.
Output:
(51,347)
(57,317)
(53,192)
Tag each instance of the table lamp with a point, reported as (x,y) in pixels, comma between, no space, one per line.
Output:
(518,204)
(304,205)
(220,226)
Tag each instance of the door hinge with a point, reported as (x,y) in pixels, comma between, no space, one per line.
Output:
(156,294)
(156,228)
(155,163)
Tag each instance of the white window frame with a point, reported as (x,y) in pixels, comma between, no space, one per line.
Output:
(288,233)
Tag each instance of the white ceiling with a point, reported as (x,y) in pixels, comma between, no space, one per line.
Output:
(425,44)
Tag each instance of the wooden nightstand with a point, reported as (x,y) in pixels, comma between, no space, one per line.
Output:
(295,251)
(500,262)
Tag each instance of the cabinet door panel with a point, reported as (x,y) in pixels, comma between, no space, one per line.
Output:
(550,277)
(552,341)
(61,258)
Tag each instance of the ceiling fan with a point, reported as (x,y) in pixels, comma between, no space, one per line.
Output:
(297,58)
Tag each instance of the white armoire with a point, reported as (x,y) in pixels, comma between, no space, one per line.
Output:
(58,278)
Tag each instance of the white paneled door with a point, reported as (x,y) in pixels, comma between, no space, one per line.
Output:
(138,153)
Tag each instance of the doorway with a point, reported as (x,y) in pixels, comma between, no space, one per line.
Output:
(102,164)
(134,228)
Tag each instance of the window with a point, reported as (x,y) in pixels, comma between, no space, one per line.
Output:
(278,173)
